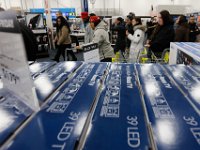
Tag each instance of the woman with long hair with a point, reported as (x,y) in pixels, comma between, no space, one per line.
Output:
(119,26)
(63,39)
(162,35)
(182,31)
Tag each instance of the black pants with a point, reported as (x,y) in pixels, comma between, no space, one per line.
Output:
(62,49)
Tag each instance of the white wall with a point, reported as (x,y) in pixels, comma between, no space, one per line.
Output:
(21,3)
(140,7)
(143,7)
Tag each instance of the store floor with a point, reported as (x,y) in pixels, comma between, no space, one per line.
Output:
(52,54)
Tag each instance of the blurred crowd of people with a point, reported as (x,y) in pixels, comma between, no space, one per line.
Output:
(156,35)
(132,35)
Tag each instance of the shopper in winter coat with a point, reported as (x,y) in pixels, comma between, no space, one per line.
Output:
(63,39)
(151,26)
(182,31)
(162,35)
(129,27)
(101,37)
(88,30)
(119,26)
(194,30)
(137,40)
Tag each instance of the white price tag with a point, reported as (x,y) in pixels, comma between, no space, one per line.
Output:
(91,53)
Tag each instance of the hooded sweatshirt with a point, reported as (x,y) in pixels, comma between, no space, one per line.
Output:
(101,37)
(137,42)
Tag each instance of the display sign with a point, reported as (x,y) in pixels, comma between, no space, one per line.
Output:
(184,53)
(190,55)
(60,123)
(119,119)
(13,63)
(66,12)
(175,123)
(91,53)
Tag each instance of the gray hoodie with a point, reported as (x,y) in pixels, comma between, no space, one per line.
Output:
(101,37)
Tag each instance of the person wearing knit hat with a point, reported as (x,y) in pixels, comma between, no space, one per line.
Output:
(88,30)
(101,37)
(84,15)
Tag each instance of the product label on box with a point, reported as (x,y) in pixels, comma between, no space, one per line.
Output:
(111,104)
(63,100)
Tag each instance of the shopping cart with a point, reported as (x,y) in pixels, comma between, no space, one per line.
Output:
(147,56)
(120,57)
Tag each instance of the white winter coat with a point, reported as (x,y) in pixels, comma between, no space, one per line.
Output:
(137,43)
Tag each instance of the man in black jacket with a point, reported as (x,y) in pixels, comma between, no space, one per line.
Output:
(194,30)
(119,26)
(129,28)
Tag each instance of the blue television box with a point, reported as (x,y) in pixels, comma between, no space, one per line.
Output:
(13,112)
(59,124)
(188,81)
(47,82)
(39,67)
(119,120)
(175,124)
(196,68)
